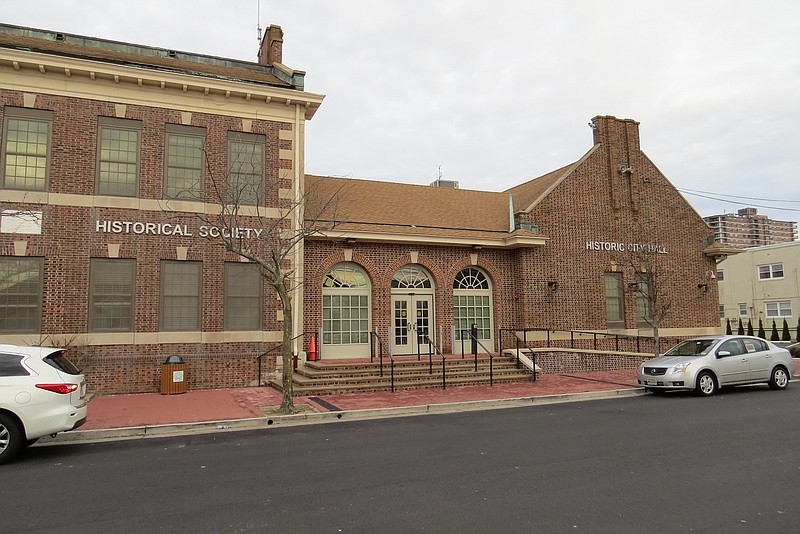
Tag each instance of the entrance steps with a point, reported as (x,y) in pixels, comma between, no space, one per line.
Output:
(328,377)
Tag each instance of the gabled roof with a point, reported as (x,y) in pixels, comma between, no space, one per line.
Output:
(423,213)
(529,194)
(123,53)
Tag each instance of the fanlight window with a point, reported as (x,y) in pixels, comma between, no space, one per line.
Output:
(345,276)
(411,278)
(470,278)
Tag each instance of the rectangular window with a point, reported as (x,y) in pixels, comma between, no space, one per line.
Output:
(180,295)
(643,312)
(242,297)
(345,319)
(742,309)
(20,294)
(615,306)
(118,157)
(111,295)
(246,153)
(781,308)
(26,148)
(770,272)
(185,160)
(721,311)
(720,276)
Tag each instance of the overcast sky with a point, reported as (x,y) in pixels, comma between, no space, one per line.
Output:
(499,93)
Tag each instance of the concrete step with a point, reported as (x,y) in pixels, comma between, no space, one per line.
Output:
(334,377)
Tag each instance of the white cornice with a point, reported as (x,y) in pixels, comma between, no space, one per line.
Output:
(506,242)
(69,76)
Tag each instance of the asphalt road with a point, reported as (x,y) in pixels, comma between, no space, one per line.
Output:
(725,464)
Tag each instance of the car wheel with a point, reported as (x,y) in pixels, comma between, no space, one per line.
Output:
(779,378)
(706,384)
(11,438)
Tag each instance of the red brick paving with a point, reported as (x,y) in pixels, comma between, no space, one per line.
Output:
(121,411)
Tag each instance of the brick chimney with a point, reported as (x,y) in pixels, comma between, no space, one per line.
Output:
(271,50)
(619,140)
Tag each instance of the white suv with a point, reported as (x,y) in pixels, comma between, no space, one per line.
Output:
(41,393)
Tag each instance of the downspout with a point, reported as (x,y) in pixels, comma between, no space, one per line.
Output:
(299,211)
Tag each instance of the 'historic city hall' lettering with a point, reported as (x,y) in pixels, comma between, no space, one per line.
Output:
(623,247)
(151,228)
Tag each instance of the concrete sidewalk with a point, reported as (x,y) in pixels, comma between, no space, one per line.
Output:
(144,415)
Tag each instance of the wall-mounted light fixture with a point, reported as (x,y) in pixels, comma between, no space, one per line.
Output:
(350,240)
(633,286)
(477,247)
(552,285)
(703,287)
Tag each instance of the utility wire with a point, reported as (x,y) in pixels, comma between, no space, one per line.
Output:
(736,196)
(749,204)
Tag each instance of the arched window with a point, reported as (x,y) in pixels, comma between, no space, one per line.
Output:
(472,304)
(345,309)
(410,277)
(470,278)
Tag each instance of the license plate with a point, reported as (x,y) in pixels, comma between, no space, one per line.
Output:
(652,382)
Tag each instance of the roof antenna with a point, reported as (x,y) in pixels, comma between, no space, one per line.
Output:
(258,21)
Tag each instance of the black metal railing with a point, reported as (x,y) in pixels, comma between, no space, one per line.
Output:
(431,348)
(582,336)
(472,334)
(375,341)
(272,349)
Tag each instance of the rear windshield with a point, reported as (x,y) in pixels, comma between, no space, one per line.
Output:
(59,360)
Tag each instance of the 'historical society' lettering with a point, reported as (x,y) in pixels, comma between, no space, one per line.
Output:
(169,229)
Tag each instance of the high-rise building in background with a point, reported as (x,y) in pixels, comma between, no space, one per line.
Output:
(746,228)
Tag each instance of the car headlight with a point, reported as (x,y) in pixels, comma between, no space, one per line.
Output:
(680,368)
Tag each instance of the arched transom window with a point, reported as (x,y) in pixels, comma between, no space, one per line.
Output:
(410,277)
(470,278)
(472,303)
(345,306)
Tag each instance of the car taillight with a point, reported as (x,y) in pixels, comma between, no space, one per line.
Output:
(58,388)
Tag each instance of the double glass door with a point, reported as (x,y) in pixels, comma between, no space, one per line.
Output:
(412,322)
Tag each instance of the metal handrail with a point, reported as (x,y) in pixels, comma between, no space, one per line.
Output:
(381,349)
(430,360)
(277,345)
(603,335)
(475,353)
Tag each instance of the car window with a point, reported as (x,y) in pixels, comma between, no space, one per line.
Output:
(754,345)
(11,365)
(692,347)
(62,363)
(734,346)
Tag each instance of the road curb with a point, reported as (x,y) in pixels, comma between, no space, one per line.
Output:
(209,427)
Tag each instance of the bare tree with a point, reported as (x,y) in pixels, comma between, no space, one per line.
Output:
(653,296)
(266,221)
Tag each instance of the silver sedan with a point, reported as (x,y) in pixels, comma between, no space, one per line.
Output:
(705,364)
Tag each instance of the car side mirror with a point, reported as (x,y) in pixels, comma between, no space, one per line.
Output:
(723,353)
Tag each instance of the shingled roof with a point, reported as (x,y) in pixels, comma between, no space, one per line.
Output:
(414,211)
(102,50)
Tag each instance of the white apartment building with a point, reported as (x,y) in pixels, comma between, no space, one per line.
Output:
(761,283)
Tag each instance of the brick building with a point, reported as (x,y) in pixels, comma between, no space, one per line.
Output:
(746,228)
(110,240)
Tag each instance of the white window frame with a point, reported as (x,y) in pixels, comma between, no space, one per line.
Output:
(769,270)
(743,311)
(781,309)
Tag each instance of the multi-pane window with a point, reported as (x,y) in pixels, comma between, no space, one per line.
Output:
(472,303)
(242,297)
(111,295)
(742,308)
(720,276)
(771,271)
(780,308)
(185,158)
(246,157)
(643,304)
(180,295)
(26,148)
(615,307)
(118,157)
(345,306)
(20,294)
